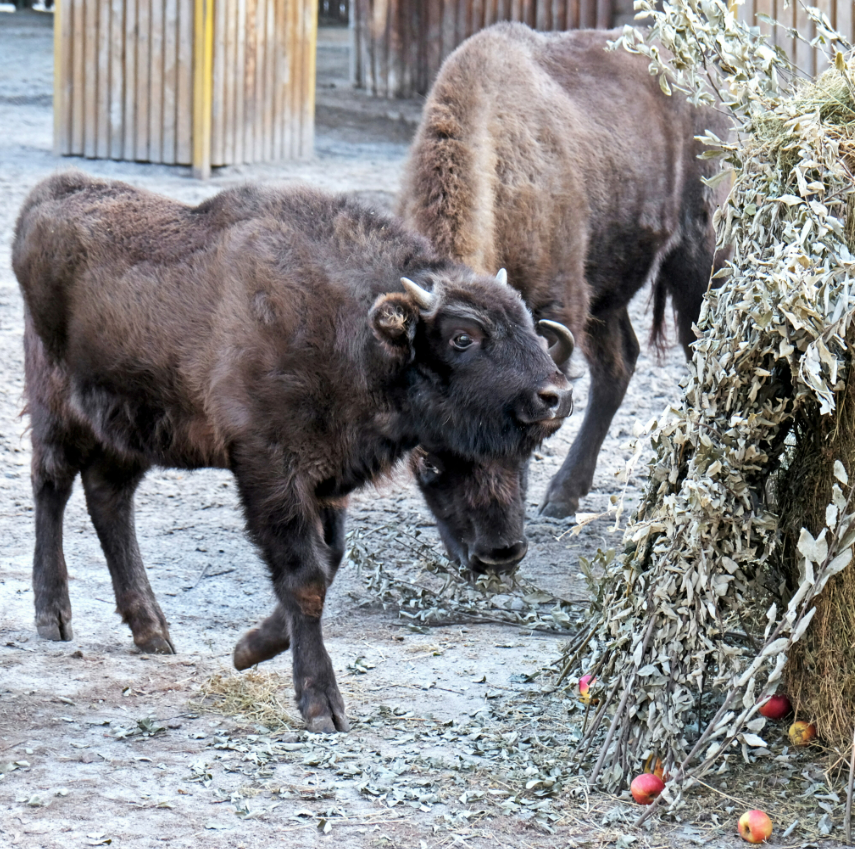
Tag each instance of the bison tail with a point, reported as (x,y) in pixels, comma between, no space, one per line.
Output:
(658,340)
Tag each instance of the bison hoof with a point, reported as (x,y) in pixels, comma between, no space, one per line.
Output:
(324,712)
(58,628)
(559,508)
(157,645)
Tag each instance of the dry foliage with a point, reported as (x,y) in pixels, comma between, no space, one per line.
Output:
(695,622)
(253,696)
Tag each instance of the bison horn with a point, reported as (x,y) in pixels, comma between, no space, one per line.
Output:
(502,277)
(421,296)
(561,349)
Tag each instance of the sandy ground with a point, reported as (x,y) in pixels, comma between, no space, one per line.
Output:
(100,745)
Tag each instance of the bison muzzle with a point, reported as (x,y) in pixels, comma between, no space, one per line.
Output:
(268,332)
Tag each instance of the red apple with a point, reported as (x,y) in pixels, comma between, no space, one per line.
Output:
(777,707)
(646,787)
(585,684)
(801,733)
(755,826)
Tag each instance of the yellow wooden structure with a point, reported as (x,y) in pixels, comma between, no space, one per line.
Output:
(189,82)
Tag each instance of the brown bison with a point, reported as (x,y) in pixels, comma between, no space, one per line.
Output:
(267,332)
(564,163)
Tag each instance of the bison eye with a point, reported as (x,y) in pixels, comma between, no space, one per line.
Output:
(462,341)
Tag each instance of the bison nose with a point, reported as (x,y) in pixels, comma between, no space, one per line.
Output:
(548,402)
(500,558)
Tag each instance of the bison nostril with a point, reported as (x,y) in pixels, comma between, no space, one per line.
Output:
(506,556)
(550,398)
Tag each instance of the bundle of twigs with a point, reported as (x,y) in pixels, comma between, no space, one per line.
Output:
(697,619)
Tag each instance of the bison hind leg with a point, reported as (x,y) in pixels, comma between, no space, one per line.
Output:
(270,638)
(58,454)
(109,483)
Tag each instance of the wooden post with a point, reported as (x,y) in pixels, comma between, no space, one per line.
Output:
(58,99)
(203,84)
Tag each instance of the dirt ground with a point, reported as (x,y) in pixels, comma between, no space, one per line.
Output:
(457,739)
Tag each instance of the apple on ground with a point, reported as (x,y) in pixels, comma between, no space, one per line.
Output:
(801,733)
(755,826)
(777,707)
(646,787)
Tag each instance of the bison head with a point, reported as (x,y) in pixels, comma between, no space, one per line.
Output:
(480,383)
(479,507)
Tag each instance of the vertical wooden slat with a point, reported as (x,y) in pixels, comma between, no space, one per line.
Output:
(64,83)
(155,119)
(604,14)
(573,14)
(434,39)
(559,15)
(309,49)
(249,105)
(116,107)
(90,79)
(804,53)
(541,21)
(184,94)
(218,106)
(170,82)
(490,12)
(78,114)
(280,74)
(143,71)
(102,81)
(240,82)
(258,123)
(449,26)
(58,68)
(764,7)
(230,74)
(269,78)
(129,125)
(845,23)
(354,26)
(820,63)
(203,73)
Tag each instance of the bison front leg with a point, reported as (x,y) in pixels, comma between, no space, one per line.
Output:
(272,636)
(612,352)
(110,485)
(291,538)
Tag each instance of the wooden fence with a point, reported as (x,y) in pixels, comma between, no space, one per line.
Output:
(808,60)
(201,82)
(398,45)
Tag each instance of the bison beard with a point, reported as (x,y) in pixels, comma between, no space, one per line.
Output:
(267,332)
(547,155)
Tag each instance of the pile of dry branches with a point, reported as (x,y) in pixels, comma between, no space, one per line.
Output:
(720,575)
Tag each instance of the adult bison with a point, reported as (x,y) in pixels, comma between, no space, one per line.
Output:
(268,332)
(544,154)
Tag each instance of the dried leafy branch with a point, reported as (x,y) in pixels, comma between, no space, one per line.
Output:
(442,592)
(695,624)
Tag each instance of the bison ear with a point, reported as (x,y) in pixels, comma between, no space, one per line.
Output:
(393,319)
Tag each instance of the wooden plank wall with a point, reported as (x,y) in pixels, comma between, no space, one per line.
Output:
(809,61)
(124,80)
(398,45)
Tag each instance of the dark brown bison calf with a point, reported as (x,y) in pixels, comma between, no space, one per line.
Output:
(544,154)
(268,332)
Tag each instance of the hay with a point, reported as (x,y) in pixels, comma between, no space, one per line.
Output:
(820,671)
(254,696)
